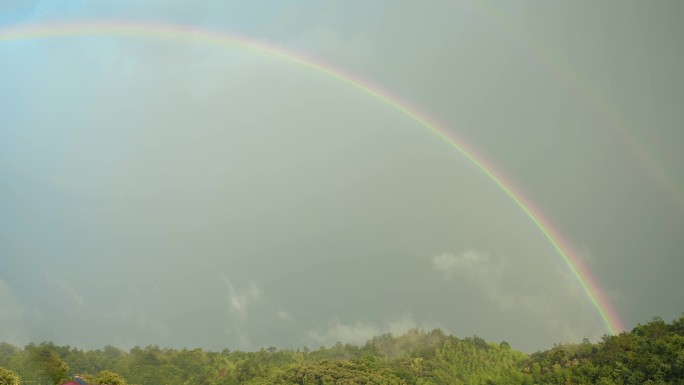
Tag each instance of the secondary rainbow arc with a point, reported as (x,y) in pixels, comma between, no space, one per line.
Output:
(563,75)
(573,262)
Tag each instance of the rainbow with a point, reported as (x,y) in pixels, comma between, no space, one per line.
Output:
(508,29)
(574,263)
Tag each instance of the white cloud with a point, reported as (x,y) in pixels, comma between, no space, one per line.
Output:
(237,303)
(403,324)
(357,333)
(470,263)
(360,332)
(284,316)
(485,272)
(240,303)
(542,297)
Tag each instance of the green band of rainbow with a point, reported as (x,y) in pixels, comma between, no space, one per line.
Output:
(185,33)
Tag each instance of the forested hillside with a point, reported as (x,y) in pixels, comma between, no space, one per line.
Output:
(650,354)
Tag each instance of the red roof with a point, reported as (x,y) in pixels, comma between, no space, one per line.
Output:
(71,383)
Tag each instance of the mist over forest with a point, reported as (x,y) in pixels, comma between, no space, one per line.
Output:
(652,353)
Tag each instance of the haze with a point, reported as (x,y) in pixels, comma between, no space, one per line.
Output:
(185,194)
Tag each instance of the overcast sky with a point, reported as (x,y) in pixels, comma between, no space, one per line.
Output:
(187,194)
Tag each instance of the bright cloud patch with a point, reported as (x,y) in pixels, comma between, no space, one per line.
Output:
(470,263)
(514,288)
(360,332)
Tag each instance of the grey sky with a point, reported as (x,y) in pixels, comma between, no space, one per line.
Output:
(161,192)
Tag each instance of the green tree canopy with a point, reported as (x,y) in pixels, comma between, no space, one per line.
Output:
(45,359)
(106,377)
(8,377)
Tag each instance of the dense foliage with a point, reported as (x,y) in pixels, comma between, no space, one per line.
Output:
(8,377)
(650,354)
